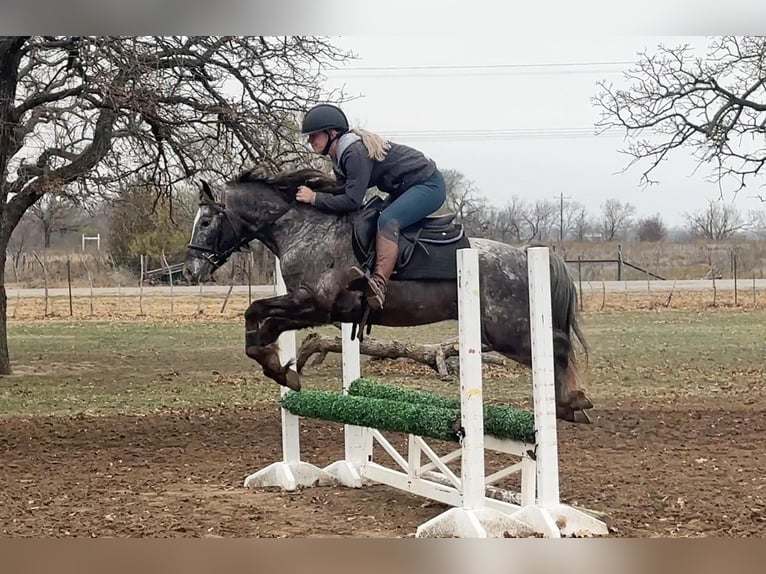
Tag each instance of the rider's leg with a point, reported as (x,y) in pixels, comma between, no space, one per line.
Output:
(418,202)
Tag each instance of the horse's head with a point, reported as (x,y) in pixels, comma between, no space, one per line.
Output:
(214,237)
(253,203)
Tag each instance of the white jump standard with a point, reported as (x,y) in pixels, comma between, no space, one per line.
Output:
(369,409)
(291,472)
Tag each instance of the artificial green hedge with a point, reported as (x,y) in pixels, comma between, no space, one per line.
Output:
(392,408)
(415,418)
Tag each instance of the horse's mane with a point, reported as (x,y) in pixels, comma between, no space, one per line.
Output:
(289,181)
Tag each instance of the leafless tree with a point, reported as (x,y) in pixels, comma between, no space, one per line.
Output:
(573,212)
(717,221)
(463,196)
(540,218)
(55,214)
(88,114)
(616,218)
(757,222)
(464,199)
(508,223)
(582,225)
(715,106)
(651,228)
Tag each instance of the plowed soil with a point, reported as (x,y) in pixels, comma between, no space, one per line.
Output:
(657,469)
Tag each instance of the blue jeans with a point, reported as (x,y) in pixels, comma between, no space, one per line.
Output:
(417,202)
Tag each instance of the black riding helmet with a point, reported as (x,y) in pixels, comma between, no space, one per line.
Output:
(324,117)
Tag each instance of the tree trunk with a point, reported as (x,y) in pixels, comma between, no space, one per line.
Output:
(5,360)
(435,355)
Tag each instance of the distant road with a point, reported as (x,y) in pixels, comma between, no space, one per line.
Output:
(207,290)
(261,290)
(669,285)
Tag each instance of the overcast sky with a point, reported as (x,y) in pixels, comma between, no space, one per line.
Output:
(517,95)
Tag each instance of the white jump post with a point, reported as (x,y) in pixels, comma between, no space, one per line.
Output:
(291,472)
(358,440)
(472,519)
(547,514)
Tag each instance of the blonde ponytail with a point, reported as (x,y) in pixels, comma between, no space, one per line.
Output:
(377,147)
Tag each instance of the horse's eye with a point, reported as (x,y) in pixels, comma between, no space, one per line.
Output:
(205,223)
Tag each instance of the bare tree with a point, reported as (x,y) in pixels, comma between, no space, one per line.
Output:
(572,213)
(55,214)
(540,219)
(464,199)
(507,223)
(714,106)
(651,228)
(757,222)
(616,218)
(581,224)
(717,221)
(84,114)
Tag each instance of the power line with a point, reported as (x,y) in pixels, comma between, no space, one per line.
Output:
(435,71)
(499,134)
(479,66)
(481,131)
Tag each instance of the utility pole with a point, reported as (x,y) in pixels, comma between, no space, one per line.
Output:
(562,197)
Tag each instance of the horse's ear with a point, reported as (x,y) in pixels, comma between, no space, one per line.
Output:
(261,171)
(205,192)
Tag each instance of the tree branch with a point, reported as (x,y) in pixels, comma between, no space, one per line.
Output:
(712,107)
(79,166)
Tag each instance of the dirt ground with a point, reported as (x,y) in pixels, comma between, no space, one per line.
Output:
(657,469)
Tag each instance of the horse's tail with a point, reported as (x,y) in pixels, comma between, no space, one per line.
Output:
(564,305)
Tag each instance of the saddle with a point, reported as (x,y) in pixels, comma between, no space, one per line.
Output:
(427,249)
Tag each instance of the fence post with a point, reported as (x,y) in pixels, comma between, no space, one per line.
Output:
(734,264)
(69,283)
(579,277)
(619,262)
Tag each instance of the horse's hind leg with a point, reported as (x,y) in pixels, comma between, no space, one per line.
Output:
(571,397)
(514,342)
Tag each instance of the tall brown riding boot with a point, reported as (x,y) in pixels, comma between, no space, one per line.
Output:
(387,251)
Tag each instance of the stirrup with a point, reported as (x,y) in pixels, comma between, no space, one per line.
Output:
(358,329)
(357,276)
(376,291)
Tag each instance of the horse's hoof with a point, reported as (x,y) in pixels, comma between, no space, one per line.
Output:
(292,380)
(578,401)
(570,415)
(565,413)
(582,417)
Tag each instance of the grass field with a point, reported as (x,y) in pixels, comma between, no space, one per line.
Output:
(138,366)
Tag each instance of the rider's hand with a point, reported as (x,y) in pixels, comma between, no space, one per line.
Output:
(305,195)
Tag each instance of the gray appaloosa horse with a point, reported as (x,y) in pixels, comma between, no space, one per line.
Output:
(316,249)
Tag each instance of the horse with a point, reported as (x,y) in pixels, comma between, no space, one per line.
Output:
(316,249)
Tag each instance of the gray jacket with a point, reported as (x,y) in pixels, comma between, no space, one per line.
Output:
(402,168)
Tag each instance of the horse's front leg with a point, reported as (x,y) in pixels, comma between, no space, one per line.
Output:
(262,330)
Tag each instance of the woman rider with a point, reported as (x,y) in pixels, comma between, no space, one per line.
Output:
(363,160)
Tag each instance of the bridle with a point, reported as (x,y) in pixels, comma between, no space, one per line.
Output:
(237,227)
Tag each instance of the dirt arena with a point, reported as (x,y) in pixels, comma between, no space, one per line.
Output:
(658,469)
